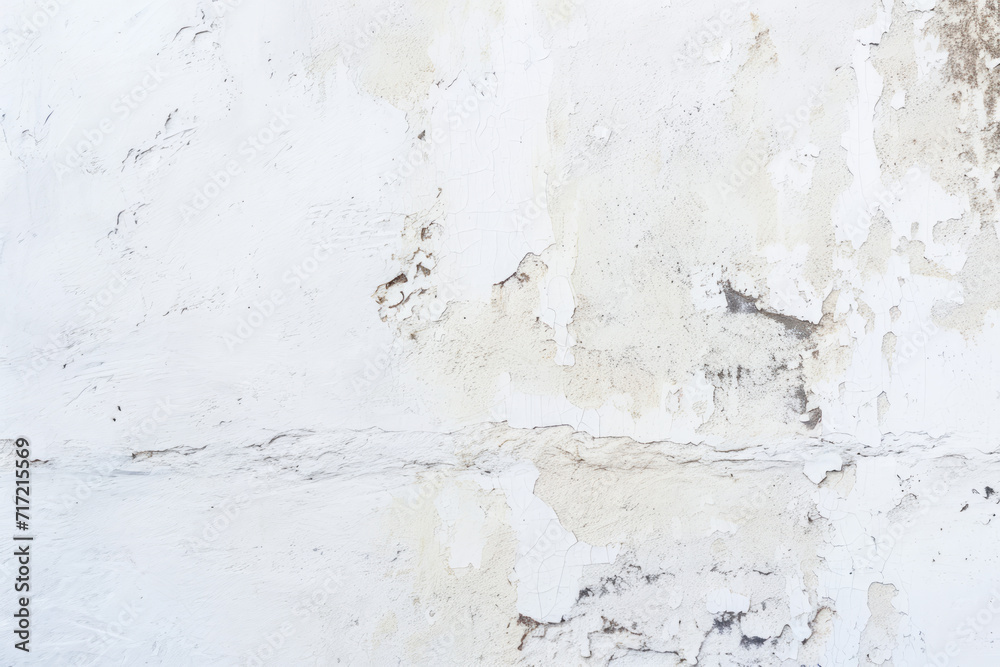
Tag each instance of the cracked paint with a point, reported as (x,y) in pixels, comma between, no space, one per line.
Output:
(506,332)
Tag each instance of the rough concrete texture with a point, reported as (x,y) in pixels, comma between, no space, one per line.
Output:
(504,332)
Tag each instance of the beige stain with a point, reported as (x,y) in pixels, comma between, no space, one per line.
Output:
(464,612)
(646,213)
(879,636)
(949,125)
(644,219)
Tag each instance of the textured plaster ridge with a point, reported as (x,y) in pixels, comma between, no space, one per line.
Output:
(505,332)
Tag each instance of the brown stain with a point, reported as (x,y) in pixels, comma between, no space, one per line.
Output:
(412,293)
(927,130)
(970,32)
(949,127)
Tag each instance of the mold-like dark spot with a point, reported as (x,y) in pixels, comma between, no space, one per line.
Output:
(741,303)
(517,275)
(746,642)
(969,32)
(384,291)
(801,399)
(423,133)
(989,491)
(523,272)
(611,627)
(528,623)
(724,623)
(815,416)
(794,325)
(611,584)
(585,593)
(738,303)
(401,278)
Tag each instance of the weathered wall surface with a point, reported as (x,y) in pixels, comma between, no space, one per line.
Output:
(506,332)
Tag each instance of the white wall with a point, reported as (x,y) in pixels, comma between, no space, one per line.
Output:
(504,332)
